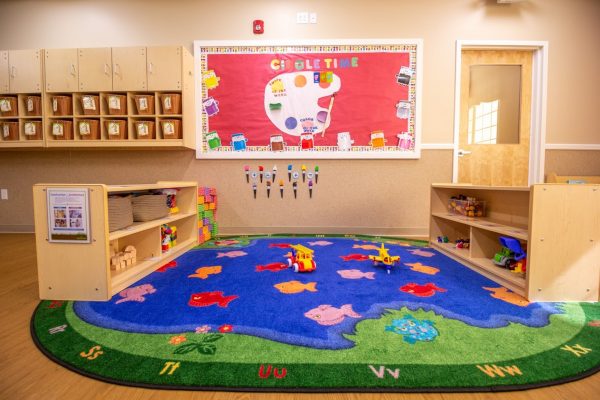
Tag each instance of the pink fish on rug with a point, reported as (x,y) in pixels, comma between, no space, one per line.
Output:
(426,290)
(320,243)
(273,267)
(326,314)
(355,274)
(136,293)
(168,265)
(365,246)
(226,242)
(425,269)
(280,245)
(232,254)
(594,323)
(403,244)
(355,257)
(422,253)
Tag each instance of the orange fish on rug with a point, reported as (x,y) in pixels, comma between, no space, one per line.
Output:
(502,293)
(425,269)
(204,272)
(293,287)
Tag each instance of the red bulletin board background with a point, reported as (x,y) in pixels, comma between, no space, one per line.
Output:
(365,102)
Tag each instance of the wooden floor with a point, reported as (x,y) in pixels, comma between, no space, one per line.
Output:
(27,374)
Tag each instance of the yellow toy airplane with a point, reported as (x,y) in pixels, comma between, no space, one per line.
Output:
(384,258)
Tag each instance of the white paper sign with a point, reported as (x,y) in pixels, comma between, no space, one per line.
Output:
(68,215)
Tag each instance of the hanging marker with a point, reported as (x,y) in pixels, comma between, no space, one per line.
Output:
(254,189)
(281,188)
(247,170)
(260,171)
(295,186)
(310,187)
(303,173)
(289,172)
(274,172)
(268,189)
(316,174)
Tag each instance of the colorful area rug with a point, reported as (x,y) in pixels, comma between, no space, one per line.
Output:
(232,315)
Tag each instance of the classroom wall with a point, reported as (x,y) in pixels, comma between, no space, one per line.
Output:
(374,196)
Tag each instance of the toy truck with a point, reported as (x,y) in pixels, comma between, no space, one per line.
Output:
(302,259)
(510,254)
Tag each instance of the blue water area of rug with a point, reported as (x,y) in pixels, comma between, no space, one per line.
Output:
(260,309)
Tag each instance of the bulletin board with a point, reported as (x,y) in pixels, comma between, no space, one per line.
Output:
(310,99)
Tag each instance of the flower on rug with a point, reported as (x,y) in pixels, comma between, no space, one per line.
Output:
(177,339)
(225,328)
(203,329)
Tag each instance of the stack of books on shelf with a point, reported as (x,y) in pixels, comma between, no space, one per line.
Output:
(207,210)
(149,206)
(120,212)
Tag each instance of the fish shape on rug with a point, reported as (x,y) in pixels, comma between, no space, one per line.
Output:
(136,293)
(326,314)
(355,257)
(206,299)
(502,293)
(594,323)
(226,242)
(170,264)
(355,274)
(280,245)
(320,243)
(273,267)
(426,290)
(365,246)
(232,254)
(293,287)
(413,330)
(204,272)
(422,253)
(425,269)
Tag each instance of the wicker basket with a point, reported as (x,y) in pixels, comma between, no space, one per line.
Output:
(32,130)
(62,105)
(61,129)
(9,130)
(170,103)
(89,104)
(116,129)
(116,104)
(144,130)
(33,106)
(88,129)
(8,106)
(170,128)
(144,104)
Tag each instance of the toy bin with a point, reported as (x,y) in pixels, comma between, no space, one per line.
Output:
(89,104)
(170,128)
(467,208)
(144,104)
(8,106)
(170,103)
(61,129)
(88,129)
(144,129)
(32,130)
(62,105)
(33,106)
(116,129)
(116,104)
(9,130)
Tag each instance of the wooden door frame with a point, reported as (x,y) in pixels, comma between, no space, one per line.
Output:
(539,89)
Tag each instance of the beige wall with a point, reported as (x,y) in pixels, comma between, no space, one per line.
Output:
(366,195)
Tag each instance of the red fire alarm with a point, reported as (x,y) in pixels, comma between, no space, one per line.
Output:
(258,26)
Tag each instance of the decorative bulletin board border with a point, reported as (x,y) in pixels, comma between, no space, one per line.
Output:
(308,99)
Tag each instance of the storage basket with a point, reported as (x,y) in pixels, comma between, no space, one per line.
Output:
(89,104)
(33,106)
(470,207)
(116,129)
(149,207)
(61,129)
(32,130)
(170,103)
(8,106)
(62,105)
(144,104)
(120,212)
(116,104)
(9,130)
(170,128)
(88,129)
(144,130)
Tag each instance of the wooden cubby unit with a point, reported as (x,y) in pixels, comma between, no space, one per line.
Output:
(81,271)
(557,224)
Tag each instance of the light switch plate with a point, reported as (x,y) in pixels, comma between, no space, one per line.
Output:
(4,194)
(313,17)
(302,17)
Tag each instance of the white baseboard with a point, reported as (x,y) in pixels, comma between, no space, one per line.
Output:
(567,146)
(271,230)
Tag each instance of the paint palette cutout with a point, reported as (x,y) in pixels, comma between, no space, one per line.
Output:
(291,102)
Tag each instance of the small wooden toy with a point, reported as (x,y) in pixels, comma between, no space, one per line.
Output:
(123,259)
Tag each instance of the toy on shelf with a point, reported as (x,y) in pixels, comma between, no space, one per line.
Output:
(302,259)
(122,259)
(167,234)
(443,239)
(467,206)
(384,258)
(171,200)
(510,254)
(462,243)
(207,214)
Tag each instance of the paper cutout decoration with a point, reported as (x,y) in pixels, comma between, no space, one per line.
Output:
(211,106)
(277,143)
(403,77)
(298,94)
(213,140)
(377,140)
(307,141)
(210,79)
(403,109)
(344,141)
(404,141)
(238,142)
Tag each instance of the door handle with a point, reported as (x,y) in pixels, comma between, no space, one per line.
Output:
(13,72)
(117,69)
(73,71)
(462,152)
(106,69)
(150,68)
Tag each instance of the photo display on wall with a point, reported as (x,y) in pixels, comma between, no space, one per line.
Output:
(311,99)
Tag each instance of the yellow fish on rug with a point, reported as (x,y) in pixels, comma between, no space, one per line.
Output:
(293,287)
(204,272)
(502,293)
(425,269)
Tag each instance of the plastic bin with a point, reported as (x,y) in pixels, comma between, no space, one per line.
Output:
(89,104)
(9,130)
(33,106)
(8,106)
(144,104)
(61,129)
(116,104)
(32,130)
(62,105)
(468,208)
(144,130)
(116,129)
(88,129)
(170,103)
(170,128)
